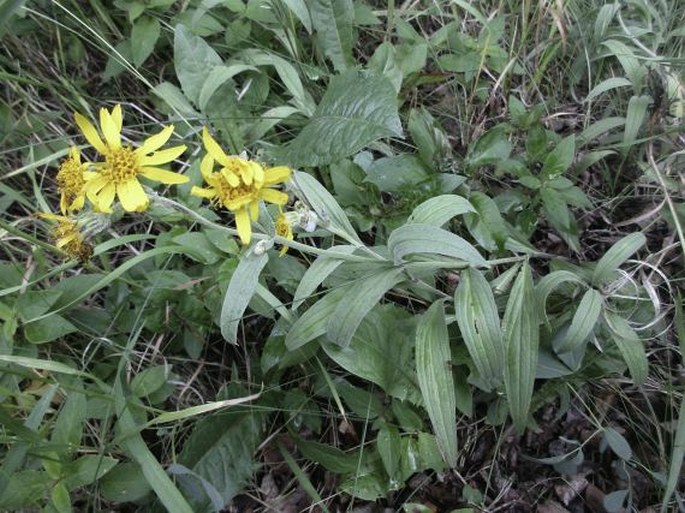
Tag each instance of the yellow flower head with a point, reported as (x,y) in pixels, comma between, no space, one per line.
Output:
(283,229)
(239,185)
(68,237)
(71,180)
(118,174)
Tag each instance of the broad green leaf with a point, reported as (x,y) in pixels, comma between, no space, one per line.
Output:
(635,117)
(618,443)
(621,251)
(68,427)
(583,323)
(220,450)
(357,109)
(240,290)
(124,483)
(521,338)
(434,373)
(322,267)
(389,447)
(60,502)
(489,221)
(175,99)
(631,347)
(381,352)
(614,502)
(476,312)
(314,322)
(194,60)
(438,210)
(492,147)
(560,159)
(216,78)
(24,489)
(332,216)
(333,22)
(48,329)
(144,35)
(358,302)
(330,457)
(88,469)
(429,137)
(426,239)
(383,62)
(288,75)
(393,174)
(150,380)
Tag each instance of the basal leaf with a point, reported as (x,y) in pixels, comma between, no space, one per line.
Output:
(358,302)
(438,210)
(521,338)
(583,323)
(241,288)
(621,251)
(357,109)
(476,312)
(144,34)
(631,347)
(434,373)
(426,239)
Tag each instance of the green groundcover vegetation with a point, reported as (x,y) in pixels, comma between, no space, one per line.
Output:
(342,255)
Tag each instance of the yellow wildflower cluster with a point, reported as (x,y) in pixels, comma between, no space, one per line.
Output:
(239,184)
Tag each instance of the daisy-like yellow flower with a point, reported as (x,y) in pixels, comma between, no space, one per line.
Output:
(68,237)
(71,180)
(283,229)
(118,174)
(239,185)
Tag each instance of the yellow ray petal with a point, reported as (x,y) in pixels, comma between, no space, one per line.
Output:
(242,224)
(63,204)
(161,157)
(202,193)
(156,141)
(78,202)
(213,148)
(118,117)
(105,198)
(207,166)
(91,135)
(132,196)
(52,217)
(95,183)
(274,196)
(161,175)
(258,173)
(109,129)
(232,179)
(278,174)
(254,210)
(238,203)
(63,241)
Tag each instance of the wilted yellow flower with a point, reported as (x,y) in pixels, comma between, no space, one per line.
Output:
(118,174)
(239,185)
(283,229)
(68,237)
(71,180)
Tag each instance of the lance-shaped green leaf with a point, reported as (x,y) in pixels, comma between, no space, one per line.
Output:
(630,345)
(331,214)
(621,251)
(358,302)
(476,312)
(440,209)
(550,282)
(314,322)
(521,339)
(433,369)
(322,267)
(426,239)
(357,109)
(240,290)
(333,21)
(583,323)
